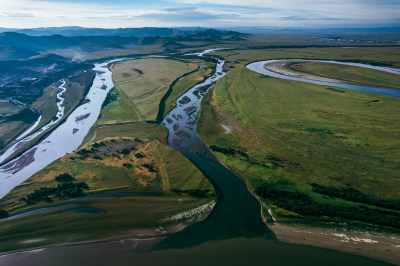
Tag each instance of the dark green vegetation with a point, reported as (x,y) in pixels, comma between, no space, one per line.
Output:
(3,214)
(349,74)
(302,203)
(64,190)
(309,151)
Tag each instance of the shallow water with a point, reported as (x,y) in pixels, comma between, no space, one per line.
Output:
(41,210)
(64,139)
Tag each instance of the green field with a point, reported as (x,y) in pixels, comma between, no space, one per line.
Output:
(144,82)
(307,150)
(364,76)
(384,56)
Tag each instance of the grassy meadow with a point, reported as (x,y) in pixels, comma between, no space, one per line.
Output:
(383,56)
(307,150)
(144,82)
(351,74)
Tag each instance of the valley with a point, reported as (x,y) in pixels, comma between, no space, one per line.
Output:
(183,151)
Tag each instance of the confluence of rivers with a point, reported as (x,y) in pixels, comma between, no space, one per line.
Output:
(233,233)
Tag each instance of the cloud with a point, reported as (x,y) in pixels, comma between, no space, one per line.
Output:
(303,18)
(17,15)
(188,14)
(207,13)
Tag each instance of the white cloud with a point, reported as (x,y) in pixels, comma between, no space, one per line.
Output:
(209,13)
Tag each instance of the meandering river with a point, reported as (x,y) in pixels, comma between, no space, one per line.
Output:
(259,67)
(233,234)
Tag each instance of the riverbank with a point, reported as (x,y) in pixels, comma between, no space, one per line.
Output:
(300,147)
(279,67)
(376,245)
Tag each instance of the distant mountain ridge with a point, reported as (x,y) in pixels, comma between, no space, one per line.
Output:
(122,32)
(16,46)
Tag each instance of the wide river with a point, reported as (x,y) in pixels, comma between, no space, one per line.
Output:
(233,234)
(64,139)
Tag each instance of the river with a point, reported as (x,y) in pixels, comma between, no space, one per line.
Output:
(66,138)
(259,68)
(26,137)
(233,234)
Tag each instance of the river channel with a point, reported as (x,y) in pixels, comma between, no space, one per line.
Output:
(233,234)
(64,139)
(259,67)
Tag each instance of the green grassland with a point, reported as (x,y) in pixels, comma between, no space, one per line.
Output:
(307,150)
(363,76)
(121,117)
(144,82)
(384,56)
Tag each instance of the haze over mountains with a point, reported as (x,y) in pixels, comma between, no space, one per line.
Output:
(25,43)
(122,32)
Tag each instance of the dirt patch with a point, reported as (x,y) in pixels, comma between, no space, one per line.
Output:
(82,117)
(185,100)
(14,167)
(125,75)
(134,155)
(228,123)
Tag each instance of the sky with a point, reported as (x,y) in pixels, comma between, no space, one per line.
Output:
(203,13)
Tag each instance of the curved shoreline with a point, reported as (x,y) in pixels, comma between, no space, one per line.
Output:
(373,244)
(259,67)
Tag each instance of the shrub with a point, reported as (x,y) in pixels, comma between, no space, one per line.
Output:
(63,178)
(3,214)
